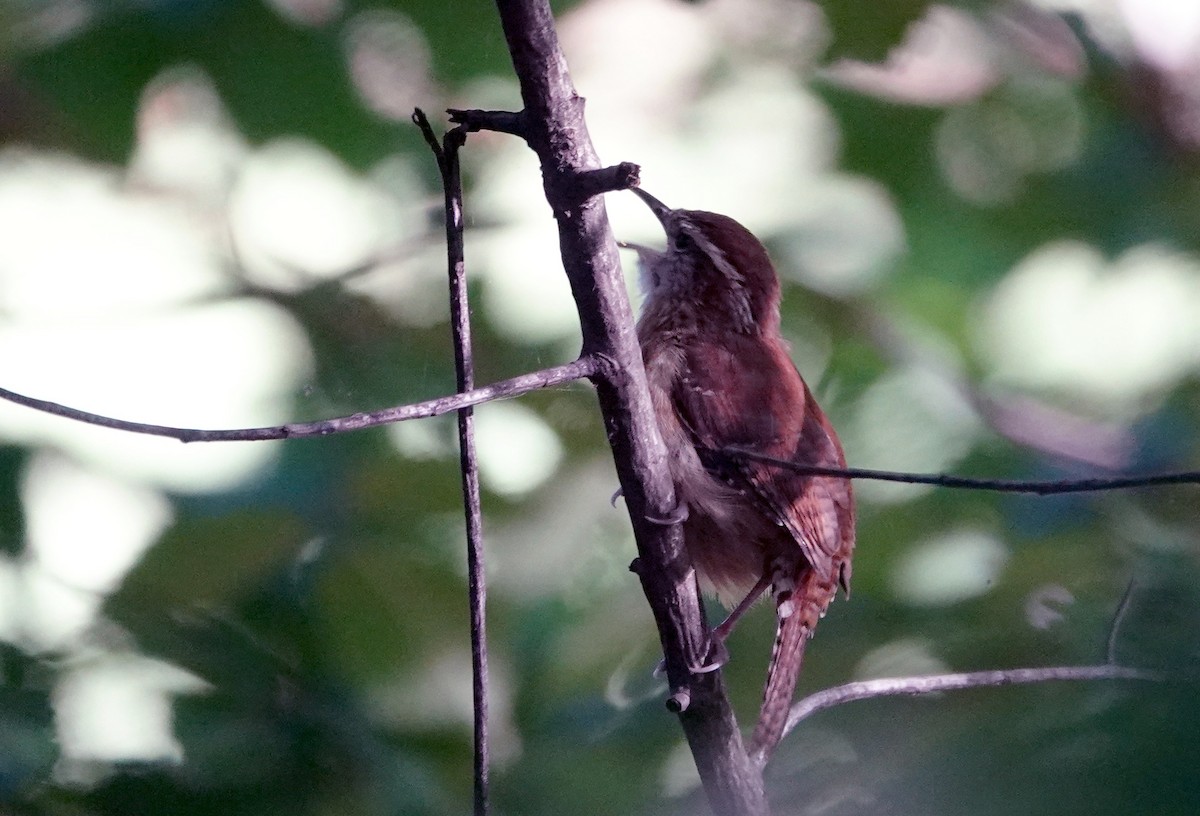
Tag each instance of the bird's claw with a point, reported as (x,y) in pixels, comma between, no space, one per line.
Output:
(717,657)
(678,515)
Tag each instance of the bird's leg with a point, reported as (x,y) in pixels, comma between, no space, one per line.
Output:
(725,627)
(718,655)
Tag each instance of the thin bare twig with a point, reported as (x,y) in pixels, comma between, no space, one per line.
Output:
(585,367)
(928,684)
(1110,650)
(1040,488)
(464,365)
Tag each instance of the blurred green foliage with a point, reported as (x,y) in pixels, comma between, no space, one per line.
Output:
(322,606)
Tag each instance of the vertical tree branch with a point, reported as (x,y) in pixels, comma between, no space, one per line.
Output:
(464,366)
(552,122)
(465,371)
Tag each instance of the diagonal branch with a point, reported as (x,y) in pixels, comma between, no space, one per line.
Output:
(585,367)
(929,684)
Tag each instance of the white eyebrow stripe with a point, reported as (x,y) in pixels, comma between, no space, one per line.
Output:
(742,314)
(714,253)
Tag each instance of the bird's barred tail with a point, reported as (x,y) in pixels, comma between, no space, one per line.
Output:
(798,608)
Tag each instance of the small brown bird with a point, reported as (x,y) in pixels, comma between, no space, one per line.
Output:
(720,378)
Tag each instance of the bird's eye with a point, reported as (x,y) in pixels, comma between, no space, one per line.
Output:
(681,242)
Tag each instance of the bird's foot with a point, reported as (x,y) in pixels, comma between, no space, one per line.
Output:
(678,515)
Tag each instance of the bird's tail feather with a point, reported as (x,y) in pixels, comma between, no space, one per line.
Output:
(797,612)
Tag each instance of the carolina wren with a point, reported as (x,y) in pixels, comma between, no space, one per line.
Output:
(721,379)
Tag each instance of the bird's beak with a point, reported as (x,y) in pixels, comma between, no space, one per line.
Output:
(660,210)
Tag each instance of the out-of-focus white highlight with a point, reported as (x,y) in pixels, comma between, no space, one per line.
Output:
(1165,32)
(711,156)
(95,273)
(987,149)
(527,295)
(118,708)
(911,420)
(87,529)
(52,614)
(308,12)
(1068,320)
(77,244)
(946,58)
(1044,605)
(423,438)
(187,144)
(37,610)
(850,237)
(298,215)
(389,62)
(517,450)
(949,568)
(535,556)
(229,364)
(650,65)
(511,233)
(119,296)
(900,658)
(84,530)
(408,278)
(439,694)
(678,776)
(721,165)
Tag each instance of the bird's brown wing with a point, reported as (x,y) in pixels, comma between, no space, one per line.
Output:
(749,395)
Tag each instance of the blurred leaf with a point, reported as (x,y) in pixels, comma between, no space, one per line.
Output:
(208,562)
(28,745)
(274,78)
(367,358)
(389,610)
(866,30)
(12,516)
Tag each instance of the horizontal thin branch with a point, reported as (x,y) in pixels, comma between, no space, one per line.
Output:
(582,368)
(928,684)
(1041,488)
